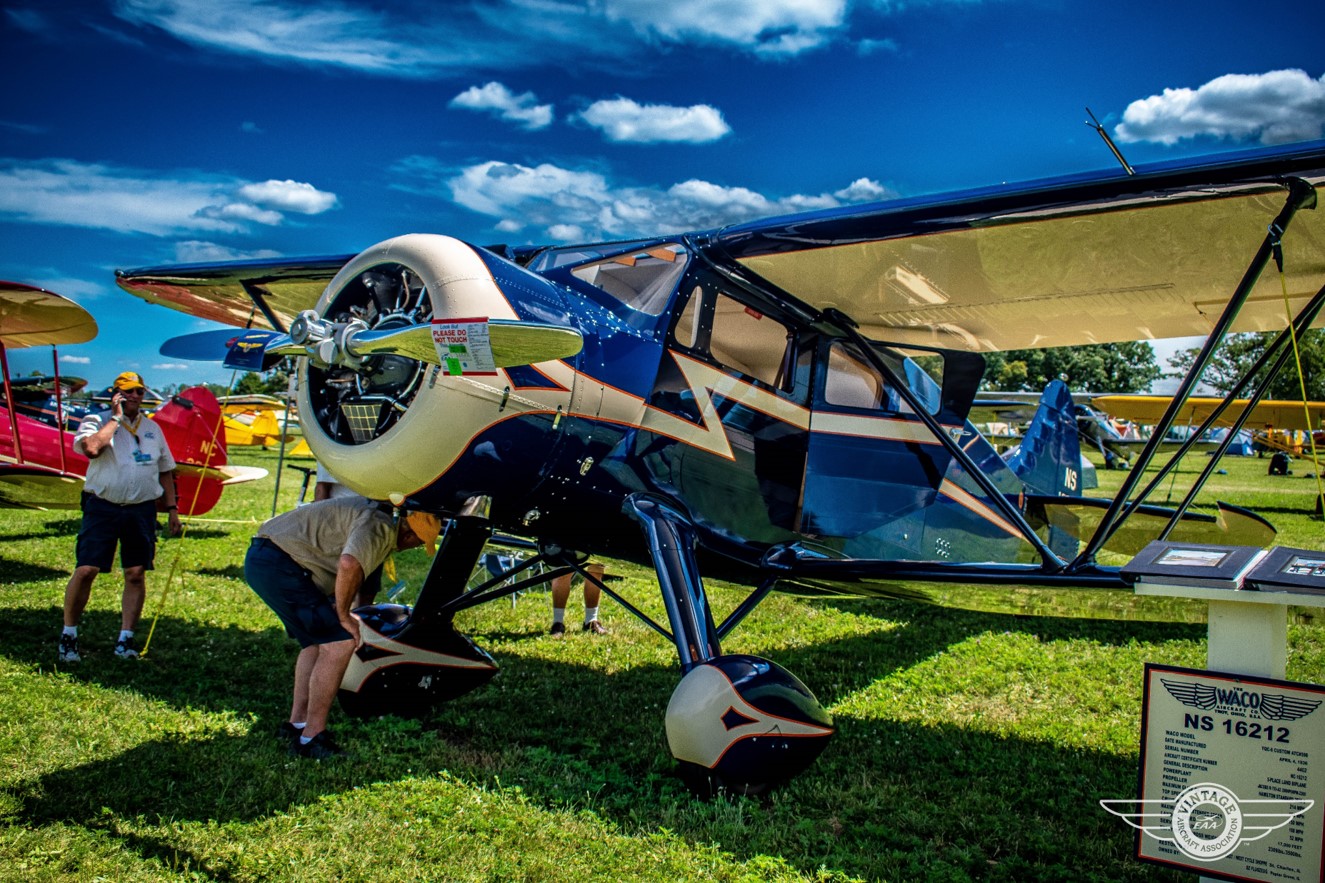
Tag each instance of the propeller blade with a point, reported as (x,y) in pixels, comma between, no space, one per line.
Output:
(513,343)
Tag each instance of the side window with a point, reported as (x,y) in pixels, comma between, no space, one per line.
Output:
(749,341)
(738,337)
(686,332)
(852,382)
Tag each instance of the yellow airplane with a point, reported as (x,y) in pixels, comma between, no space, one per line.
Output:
(1266,415)
(1274,423)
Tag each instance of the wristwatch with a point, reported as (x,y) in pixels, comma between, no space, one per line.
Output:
(172,508)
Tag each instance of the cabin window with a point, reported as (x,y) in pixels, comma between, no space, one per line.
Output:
(852,382)
(749,341)
(642,280)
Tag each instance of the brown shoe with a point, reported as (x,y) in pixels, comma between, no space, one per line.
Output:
(558,630)
(595,626)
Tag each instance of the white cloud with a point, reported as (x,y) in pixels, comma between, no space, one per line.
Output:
(72,193)
(289,196)
(76,360)
(195,251)
(578,205)
(1274,108)
(173,366)
(765,27)
(417,39)
(621,119)
(334,35)
(523,109)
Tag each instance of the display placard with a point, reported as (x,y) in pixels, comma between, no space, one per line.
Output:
(463,346)
(1231,771)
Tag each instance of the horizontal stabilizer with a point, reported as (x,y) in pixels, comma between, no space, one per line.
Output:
(227,474)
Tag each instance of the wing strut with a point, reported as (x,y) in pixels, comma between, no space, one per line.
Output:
(9,404)
(1283,350)
(1009,511)
(1300,195)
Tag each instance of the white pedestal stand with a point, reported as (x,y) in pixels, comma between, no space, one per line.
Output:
(1247,630)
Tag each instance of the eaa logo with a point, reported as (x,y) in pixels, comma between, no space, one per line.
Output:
(1207,821)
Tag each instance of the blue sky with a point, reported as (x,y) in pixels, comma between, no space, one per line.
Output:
(143,132)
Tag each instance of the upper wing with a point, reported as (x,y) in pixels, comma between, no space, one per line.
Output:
(265,294)
(1276,414)
(35,317)
(1095,259)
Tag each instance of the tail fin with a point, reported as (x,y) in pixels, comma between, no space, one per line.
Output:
(191,423)
(1049,458)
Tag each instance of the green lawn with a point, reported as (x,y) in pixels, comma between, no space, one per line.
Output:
(970,746)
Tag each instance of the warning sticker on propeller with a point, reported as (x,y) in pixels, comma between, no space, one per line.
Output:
(463,346)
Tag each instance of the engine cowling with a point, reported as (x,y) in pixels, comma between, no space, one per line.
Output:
(391,422)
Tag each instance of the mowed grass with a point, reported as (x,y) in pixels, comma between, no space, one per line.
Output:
(970,746)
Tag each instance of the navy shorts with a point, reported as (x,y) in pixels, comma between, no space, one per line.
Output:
(309,616)
(132,527)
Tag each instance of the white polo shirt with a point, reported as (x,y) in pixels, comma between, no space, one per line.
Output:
(129,470)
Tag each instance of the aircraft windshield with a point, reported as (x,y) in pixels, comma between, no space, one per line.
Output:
(642,279)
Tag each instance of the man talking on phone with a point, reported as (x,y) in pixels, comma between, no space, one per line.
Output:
(129,468)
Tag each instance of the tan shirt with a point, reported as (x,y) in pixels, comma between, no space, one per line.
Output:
(317,534)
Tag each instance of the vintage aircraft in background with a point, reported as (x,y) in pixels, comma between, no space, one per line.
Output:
(782,403)
(1273,423)
(39,468)
(256,420)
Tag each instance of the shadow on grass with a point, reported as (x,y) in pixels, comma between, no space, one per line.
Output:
(887,799)
(60,527)
(26,572)
(229,571)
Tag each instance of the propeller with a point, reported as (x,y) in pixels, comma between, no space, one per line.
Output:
(510,342)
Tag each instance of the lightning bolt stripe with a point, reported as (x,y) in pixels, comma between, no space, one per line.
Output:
(885,428)
(966,499)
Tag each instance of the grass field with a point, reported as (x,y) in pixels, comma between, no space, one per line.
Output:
(970,746)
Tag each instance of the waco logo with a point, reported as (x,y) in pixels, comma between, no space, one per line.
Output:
(1238,702)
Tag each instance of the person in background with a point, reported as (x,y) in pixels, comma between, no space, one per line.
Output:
(327,487)
(561,587)
(308,565)
(129,468)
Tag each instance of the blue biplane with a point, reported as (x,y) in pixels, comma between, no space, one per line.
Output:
(781,403)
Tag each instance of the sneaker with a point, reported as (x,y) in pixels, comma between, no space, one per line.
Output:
(124,649)
(69,649)
(558,630)
(596,627)
(289,733)
(321,747)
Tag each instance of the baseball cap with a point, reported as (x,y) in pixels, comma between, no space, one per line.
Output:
(129,380)
(426,527)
